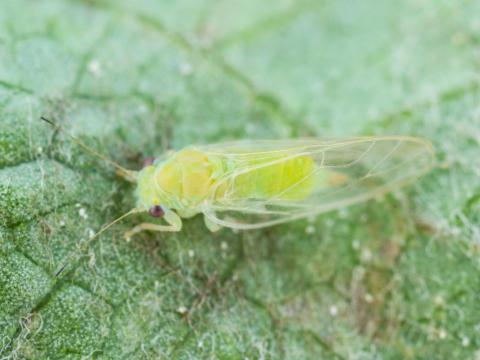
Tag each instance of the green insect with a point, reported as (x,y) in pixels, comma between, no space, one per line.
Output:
(254,184)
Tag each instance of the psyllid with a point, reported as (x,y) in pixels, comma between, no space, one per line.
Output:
(253,184)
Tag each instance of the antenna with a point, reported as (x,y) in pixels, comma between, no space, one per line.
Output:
(129,175)
(99,232)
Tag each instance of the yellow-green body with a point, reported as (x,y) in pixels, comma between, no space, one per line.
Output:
(191,179)
(251,185)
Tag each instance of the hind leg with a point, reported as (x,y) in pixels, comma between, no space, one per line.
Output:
(213,227)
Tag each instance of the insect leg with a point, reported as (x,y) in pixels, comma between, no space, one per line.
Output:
(213,227)
(174,224)
(185,214)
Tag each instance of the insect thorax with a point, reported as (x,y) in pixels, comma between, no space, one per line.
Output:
(182,181)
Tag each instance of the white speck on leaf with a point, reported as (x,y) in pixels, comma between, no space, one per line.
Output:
(333,310)
(310,229)
(366,255)
(182,310)
(83,213)
(95,68)
(438,300)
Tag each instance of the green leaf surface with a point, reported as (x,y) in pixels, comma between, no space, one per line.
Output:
(393,278)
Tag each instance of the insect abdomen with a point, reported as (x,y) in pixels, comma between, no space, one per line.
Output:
(289,179)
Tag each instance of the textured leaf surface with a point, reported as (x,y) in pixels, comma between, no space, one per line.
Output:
(389,279)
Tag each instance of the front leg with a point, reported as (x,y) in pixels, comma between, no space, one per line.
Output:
(174,224)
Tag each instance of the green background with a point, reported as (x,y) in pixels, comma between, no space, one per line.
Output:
(394,278)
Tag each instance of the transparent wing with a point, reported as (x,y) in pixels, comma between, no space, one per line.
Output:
(345,172)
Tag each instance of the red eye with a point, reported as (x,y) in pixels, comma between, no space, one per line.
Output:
(148,161)
(156,211)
